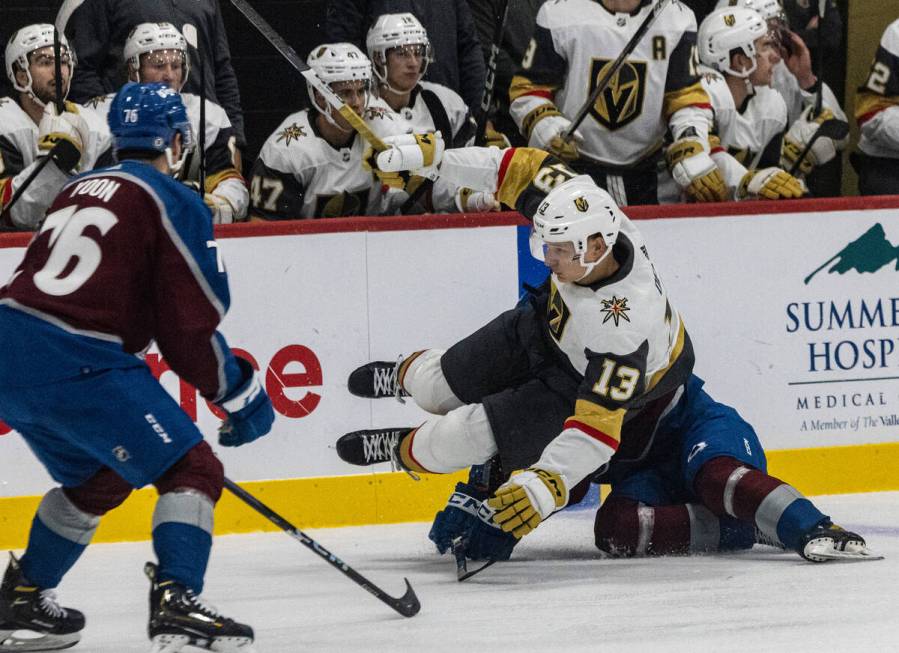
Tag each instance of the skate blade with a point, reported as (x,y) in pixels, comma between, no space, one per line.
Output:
(232,645)
(169,643)
(10,641)
(174,643)
(826,553)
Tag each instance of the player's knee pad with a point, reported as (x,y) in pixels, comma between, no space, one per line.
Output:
(198,469)
(62,516)
(461,438)
(101,493)
(423,378)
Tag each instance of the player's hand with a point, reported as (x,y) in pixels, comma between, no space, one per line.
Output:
(544,127)
(493,138)
(695,172)
(406,153)
(68,126)
(526,499)
(799,135)
(771,184)
(474,201)
(222,210)
(249,409)
(467,516)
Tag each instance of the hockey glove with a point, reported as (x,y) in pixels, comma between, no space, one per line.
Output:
(249,409)
(493,138)
(473,201)
(800,134)
(466,515)
(771,184)
(695,171)
(544,126)
(68,126)
(222,211)
(526,499)
(420,153)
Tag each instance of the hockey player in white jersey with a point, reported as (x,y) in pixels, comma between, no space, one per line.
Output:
(157,52)
(311,165)
(798,85)
(30,126)
(400,51)
(739,54)
(877,113)
(590,379)
(656,90)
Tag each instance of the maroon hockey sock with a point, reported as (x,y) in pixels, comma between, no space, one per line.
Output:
(728,487)
(625,527)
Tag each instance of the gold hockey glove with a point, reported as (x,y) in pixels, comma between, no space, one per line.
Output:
(771,184)
(695,171)
(526,499)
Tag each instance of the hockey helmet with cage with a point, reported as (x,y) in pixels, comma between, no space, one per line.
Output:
(146,118)
(337,62)
(395,31)
(153,37)
(572,212)
(25,41)
(726,30)
(769,9)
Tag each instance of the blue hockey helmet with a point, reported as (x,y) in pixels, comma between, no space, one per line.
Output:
(146,117)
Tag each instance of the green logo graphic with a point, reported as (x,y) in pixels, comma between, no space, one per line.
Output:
(867,253)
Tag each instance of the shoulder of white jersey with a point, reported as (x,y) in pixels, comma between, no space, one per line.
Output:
(383,120)
(99,103)
(679,16)
(558,14)
(452,102)
(716,86)
(13,118)
(773,103)
(555,14)
(215,114)
(293,146)
(95,117)
(890,39)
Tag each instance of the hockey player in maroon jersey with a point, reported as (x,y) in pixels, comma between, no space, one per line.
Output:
(125,257)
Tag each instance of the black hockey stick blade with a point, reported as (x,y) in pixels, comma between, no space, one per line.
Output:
(407,605)
(462,571)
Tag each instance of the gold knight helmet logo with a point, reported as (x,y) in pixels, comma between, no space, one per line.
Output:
(621,102)
(729,20)
(581,204)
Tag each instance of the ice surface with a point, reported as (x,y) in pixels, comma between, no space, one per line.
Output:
(556,593)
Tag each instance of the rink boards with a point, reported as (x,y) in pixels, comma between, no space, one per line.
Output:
(793,309)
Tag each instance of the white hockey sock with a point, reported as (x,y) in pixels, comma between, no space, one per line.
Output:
(424,380)
(457,440)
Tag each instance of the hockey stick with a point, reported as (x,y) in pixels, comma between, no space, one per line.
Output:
(819,97)
(487,99)
(462,572)
(300,66)
(407,605)
(193,39)
(834,129)
(57,72)
(612,69)
(63,154)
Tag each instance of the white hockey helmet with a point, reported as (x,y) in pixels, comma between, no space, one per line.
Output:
(337,62)
(769,9)
(152,37)
(572,212)
(395,31)
(726,30)
(25,41)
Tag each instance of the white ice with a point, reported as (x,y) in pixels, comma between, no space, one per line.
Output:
(556,594)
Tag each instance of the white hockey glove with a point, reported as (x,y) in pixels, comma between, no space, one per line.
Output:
(799,135)
(475,201)
(418,153)
(771,184)
(544,126)
(228,200)
(68,126)
(222,211)
(695,172)
(526,499)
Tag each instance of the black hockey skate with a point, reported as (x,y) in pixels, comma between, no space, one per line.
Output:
(178,618)
(376,380)
(26,607)
(827,541)
(369,447)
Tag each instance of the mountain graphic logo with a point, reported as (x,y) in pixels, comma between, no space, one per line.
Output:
(868,253)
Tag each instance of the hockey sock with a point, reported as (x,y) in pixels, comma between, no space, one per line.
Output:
(422,377)
(59,534)
(459,439)
(728,487)
(182,537)
(625,527)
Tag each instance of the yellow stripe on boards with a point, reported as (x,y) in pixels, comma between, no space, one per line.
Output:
(395,497)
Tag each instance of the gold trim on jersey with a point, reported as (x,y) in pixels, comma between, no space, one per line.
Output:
(685,97)
(521,170)
(869,103)
(672,359)
(212,181)
(621,102)
(609,422)
(538,113)
(523,86)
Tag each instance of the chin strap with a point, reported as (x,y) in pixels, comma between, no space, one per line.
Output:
(592,265)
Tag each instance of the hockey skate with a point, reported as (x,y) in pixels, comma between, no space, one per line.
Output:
(377,380)
(369,447)
(179,618)
(828,541)
(31,619)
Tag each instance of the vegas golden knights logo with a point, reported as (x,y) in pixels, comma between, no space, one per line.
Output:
(622,101)
(557,313)
(729,20)
(581,204)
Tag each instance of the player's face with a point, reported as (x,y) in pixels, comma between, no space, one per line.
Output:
(354,94)
(767,55)
(166,66)
(43,75)
(563,261)
(405,65)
